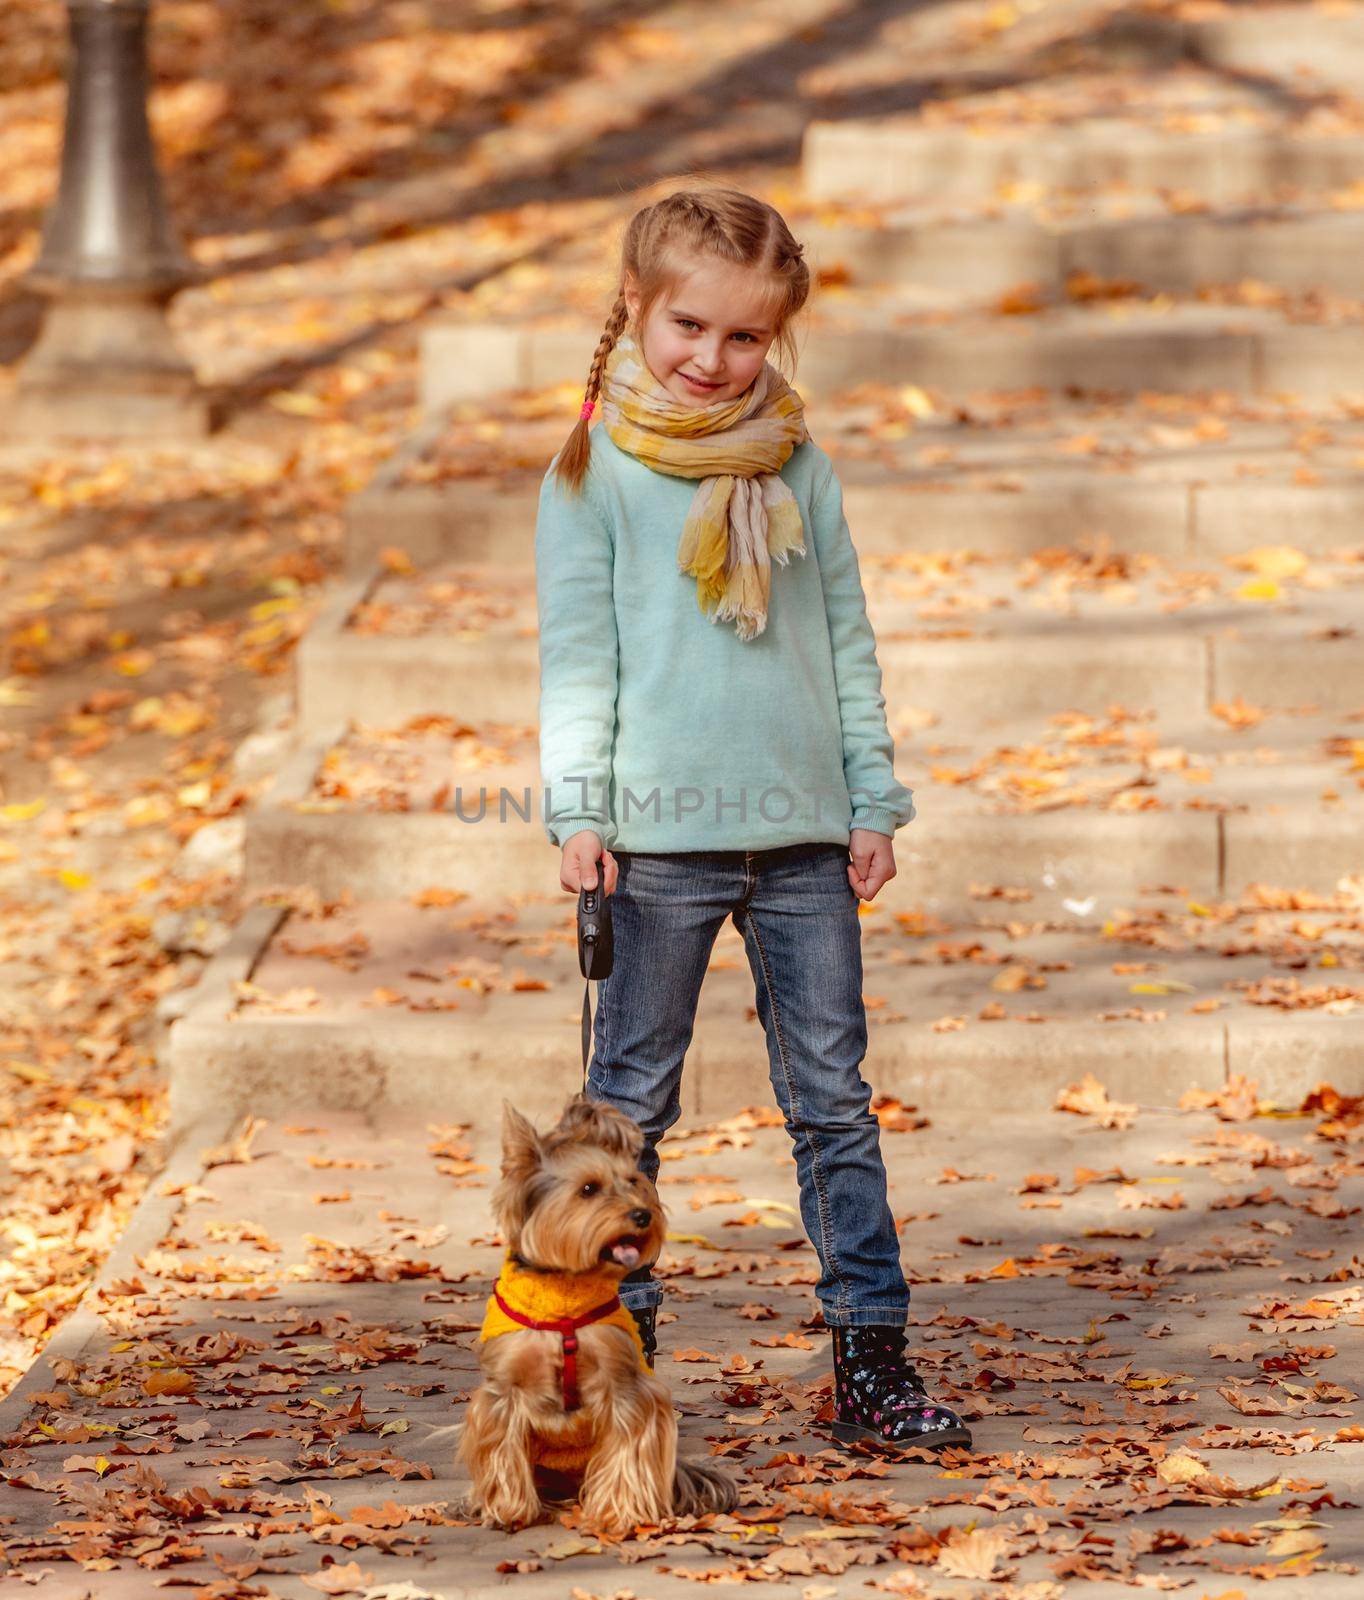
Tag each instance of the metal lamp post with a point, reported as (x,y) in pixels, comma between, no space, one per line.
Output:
(105,363)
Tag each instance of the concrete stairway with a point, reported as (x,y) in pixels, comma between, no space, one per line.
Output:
(987,250)
(967,646)
(1222,163)
(1189,345)
(1202,477)
(1108,504)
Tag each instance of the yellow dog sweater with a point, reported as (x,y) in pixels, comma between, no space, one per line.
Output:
(558,1302)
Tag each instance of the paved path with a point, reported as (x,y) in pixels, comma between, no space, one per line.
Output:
(1153,1326)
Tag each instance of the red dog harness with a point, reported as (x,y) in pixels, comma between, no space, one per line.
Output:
(567,1329)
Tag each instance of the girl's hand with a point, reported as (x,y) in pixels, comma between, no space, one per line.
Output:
(585,864)
(872,864)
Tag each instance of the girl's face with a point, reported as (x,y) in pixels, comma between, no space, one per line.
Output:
(706,339)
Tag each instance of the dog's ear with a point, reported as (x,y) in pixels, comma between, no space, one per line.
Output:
(595,1122)
(522,1151)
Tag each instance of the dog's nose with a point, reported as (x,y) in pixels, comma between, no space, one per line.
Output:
(641,1218)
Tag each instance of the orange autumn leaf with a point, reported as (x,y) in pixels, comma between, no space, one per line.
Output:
(1237,713)
(896,1117)
(172,1382)
(437,897)
(1089,1098)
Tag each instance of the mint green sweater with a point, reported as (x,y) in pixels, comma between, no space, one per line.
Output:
(662,730)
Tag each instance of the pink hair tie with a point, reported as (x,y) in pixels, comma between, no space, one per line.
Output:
(587,408)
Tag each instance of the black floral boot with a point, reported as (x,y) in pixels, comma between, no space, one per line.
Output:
(879,1399)
(646,1320)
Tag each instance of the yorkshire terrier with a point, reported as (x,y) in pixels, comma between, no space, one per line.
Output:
(567,1400)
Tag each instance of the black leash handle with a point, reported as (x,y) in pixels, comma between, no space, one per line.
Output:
(595,949)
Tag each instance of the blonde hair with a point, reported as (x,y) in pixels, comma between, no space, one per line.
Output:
(662,242)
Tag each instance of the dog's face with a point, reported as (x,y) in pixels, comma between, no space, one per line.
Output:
(574,1198)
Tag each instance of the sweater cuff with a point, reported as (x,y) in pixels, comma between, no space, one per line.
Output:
(875,819)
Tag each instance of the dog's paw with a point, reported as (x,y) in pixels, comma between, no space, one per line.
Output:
(512,1521)
(700,1487)
(466,1508)
(509,1517)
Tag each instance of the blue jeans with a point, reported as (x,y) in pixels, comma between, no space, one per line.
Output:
(798,916)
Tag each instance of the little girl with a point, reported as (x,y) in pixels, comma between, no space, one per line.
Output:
(713,740)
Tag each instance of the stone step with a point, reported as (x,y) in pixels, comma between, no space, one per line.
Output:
(1306,48)
(906,158)
(1171,474)
(959,636)
(986,255)
(372,1004)
(1109,348)
(1081,811)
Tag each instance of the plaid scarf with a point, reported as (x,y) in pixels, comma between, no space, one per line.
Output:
(742,516)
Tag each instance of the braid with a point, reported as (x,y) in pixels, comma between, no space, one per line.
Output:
(615,326)
(577,452)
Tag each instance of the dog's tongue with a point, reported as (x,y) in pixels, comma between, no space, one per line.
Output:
(625,1252)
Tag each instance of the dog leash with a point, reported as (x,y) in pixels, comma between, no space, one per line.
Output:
(595,951)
